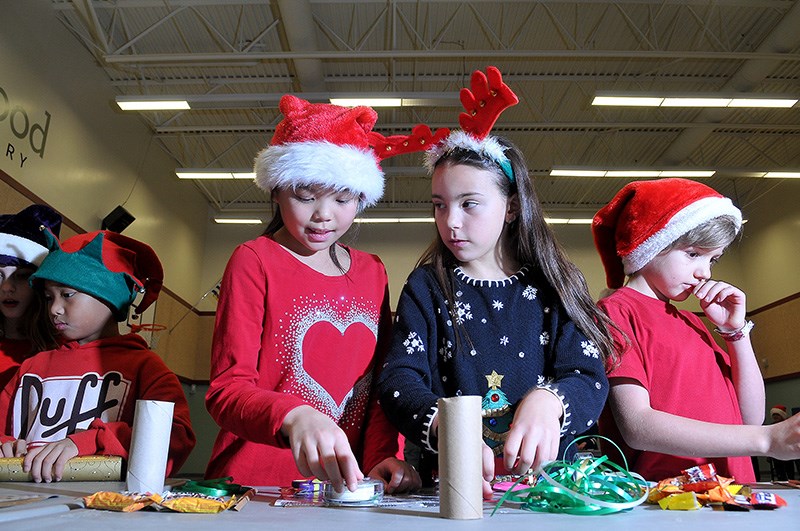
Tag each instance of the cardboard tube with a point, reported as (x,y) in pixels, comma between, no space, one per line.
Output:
(147,460)
(460,458)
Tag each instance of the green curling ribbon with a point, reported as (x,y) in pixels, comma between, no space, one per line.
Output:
(587,486)
(219,487)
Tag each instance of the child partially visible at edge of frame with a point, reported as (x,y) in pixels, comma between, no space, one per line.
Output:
(303,321)
(675,392)
(495,308)
(80,398)
(24,329)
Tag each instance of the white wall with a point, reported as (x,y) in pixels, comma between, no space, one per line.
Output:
(94,156)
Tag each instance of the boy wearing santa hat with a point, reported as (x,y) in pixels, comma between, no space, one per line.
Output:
(79,399)
(677,399)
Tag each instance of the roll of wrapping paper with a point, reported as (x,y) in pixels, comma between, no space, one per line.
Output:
(460,458)
(147,460)
(84,468)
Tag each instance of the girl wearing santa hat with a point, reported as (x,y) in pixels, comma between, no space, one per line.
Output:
(302,320)
(678,399)
(494,308)
(24,327)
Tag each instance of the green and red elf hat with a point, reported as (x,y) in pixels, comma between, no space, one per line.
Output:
(106,265)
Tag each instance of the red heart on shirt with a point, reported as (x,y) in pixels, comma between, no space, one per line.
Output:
(337,359)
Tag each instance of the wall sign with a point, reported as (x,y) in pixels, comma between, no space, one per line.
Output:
(29,130)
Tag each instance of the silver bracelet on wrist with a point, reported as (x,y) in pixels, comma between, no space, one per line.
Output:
(736,335)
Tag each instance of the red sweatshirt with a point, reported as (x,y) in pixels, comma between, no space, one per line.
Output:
(88,393)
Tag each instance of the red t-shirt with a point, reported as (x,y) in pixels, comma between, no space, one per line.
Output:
(673,355)
(287,335)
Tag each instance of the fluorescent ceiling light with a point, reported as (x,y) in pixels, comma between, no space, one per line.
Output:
(161,104)
(394,220)
(239,221)
(568,221)
(200,173)
(630,173)
(709,99)
(782,175)
(628,101)
(369,102)
(763,102)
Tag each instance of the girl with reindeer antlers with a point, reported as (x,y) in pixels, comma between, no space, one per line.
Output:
(494,307)
(302,320)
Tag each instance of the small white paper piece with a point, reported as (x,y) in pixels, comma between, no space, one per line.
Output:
(147,460)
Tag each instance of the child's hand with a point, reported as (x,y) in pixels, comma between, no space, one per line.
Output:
(785,439)
(488,471)
(397,475)
(723,304)
(15,448)
(321,448)
(46,463)
(535,432)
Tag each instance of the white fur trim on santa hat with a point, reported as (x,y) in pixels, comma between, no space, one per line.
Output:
(22,248)
(686,219)
(323,163)
(779,410)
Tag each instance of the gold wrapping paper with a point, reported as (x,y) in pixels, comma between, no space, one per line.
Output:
(83,468)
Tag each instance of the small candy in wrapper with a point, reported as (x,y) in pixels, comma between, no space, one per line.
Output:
(766,500)
(685,501)
(705,472)
(194,502)
(125,502)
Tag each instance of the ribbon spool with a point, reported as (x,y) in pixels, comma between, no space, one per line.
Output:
(587,486)
(219,487)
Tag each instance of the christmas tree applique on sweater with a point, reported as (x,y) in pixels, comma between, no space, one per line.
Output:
(497,414)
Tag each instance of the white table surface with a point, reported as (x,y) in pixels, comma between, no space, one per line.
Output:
(65,511)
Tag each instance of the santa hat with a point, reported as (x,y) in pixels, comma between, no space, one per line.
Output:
(319,143)
(21,241)
(106,265)
(646,216)
(780,411)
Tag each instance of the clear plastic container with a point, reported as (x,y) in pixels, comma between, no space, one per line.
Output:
(368,493)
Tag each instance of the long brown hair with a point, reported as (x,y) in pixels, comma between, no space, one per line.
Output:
(533,243)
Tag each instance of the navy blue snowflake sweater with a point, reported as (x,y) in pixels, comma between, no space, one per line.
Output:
(518,337)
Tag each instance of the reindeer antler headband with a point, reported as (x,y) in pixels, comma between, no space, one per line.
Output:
(484,102)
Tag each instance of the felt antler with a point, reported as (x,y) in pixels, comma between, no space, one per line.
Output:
(420,139)
(484,101)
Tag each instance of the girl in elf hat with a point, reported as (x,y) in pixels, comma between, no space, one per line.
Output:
(24,329)
(302,320)
(80,398)
(494,308)
(677,399)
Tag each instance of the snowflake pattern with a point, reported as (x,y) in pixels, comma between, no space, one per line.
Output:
(413,343)
(463,312)
(544,338)
(497,305)
(590,349)
(504,340)
(446,351)
(530,293)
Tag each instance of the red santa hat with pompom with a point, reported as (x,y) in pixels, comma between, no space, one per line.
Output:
(332,146)
(318,143)
(646,216)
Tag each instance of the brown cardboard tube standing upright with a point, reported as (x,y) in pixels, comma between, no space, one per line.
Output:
(460,458)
